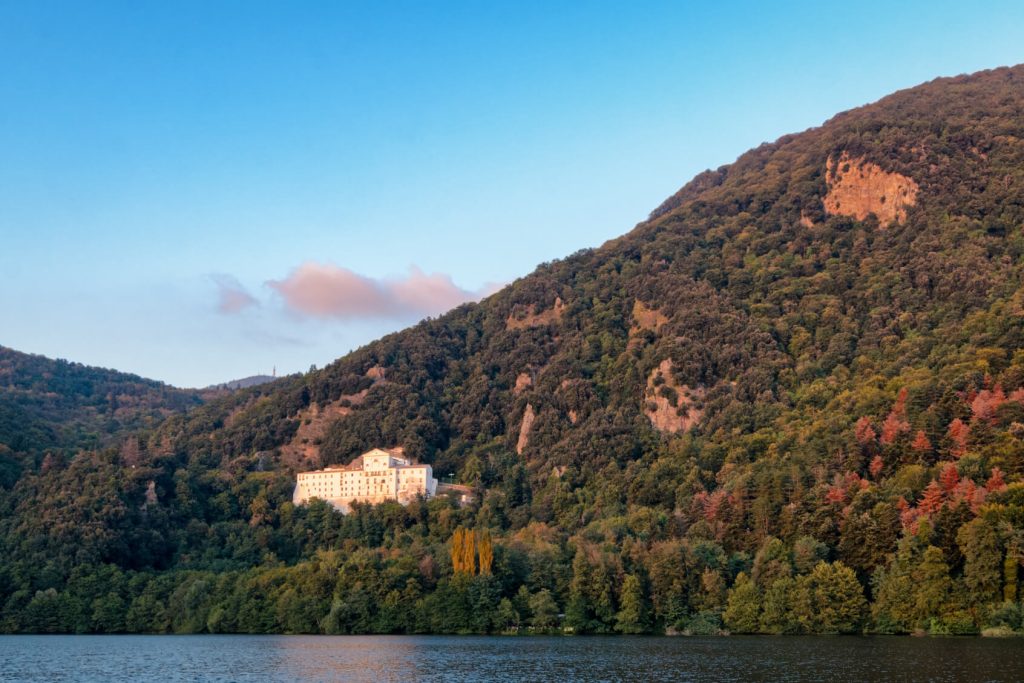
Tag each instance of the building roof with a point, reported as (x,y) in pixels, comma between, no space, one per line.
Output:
(357,464)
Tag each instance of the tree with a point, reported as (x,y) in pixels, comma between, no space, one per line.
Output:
(892,428)
(864,432)
(876,467)
(995,482)
(743,606)
(957,435)
(932,498)
(932,586)
(506,618)
(838,599)
(108,612)
(42,614)
(1011,567)
(545,611)
(633,614)
(771,562)
(921,444)
(146,614)
(983,561)
(485,551)
(949,478)
(807,552)
(463,551)
(777,615)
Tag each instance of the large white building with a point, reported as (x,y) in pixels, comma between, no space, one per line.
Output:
(373,477)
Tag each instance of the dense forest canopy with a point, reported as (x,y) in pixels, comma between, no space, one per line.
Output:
(790,401)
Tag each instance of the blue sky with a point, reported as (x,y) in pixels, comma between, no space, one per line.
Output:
(201,191)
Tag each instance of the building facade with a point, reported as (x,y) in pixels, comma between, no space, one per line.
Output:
(373,477)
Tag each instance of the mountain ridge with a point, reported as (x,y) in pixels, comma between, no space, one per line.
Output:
(785,384)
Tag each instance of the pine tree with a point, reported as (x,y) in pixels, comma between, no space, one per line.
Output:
(893,608)
(892,428)
(876,467)
(633,615)
(995,482)
(864,432)
(931,500)
(983,559)
(921,443)
(949,478)
(1011,565)
(932,586)
(957,434)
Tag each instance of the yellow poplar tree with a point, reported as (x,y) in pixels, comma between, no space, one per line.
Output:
(486,551)
(463,551)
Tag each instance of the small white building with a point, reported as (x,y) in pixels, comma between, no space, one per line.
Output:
(373,477)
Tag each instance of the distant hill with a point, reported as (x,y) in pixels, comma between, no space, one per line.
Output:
(56,405)
(790,401)
(244,383)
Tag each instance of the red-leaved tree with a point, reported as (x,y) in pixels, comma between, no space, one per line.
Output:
(957,434)
(921,443)
(876,467)
(931,500)
(864,432)
(949,478)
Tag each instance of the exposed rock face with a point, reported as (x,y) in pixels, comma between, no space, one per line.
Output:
(151,498)
(314,421)
(313,424)
(645,318)
(524,429)
(523,382)
(677,411)
(858,188)
(523,317)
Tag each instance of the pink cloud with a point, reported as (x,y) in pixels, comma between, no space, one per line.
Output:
(328,291)
(232,297)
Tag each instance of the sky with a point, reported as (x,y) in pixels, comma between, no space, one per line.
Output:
(201,191)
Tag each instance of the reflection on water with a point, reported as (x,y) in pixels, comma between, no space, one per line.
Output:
(443,658)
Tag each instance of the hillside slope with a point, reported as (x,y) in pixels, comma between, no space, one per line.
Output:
(801,375)
(58,407)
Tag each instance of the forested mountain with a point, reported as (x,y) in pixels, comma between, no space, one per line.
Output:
(57,407)
(790,401)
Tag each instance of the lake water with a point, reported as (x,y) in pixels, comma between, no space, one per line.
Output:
(443,658)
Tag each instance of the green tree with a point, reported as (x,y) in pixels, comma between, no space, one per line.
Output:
(839,600)
(743,608)
(983,559)
(932,586)
(108,612)
(633,614)
(777,615)
(506,618)
(146,614)
(545,611)
(771,562)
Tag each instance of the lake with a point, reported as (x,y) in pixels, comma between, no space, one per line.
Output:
(446,658)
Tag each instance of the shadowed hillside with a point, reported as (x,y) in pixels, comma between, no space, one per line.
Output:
(57,407)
